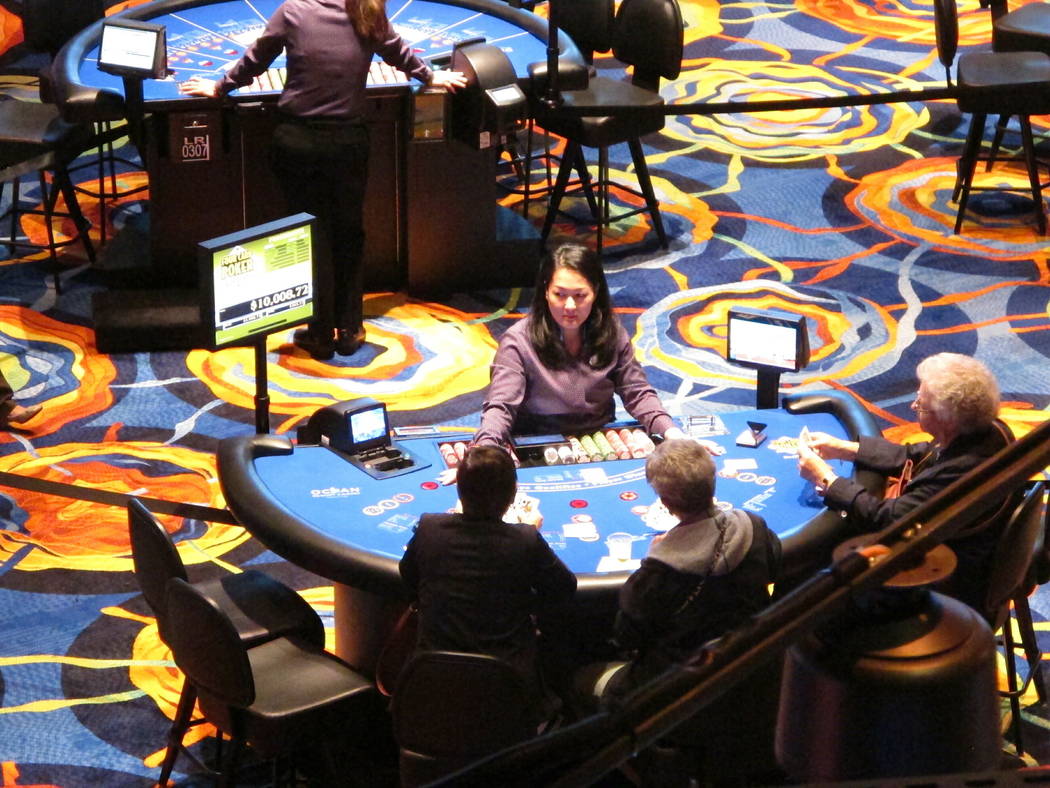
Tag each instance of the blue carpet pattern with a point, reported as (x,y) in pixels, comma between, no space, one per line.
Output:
(843,215)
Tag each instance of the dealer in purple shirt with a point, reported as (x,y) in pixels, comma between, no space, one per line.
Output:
(319,152)
(556,371)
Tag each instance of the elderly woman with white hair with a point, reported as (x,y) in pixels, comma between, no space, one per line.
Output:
(957,403)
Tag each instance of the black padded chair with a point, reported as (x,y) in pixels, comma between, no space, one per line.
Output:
(35,140)
(1025,29)
(260,607)
(279,697)
(1008,589)
(993,83)
(451,709)
(589,23)
(47,26)
(648,35)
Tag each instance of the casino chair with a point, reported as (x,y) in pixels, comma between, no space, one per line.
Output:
(260,607)
(47,26)
(1009,585)
(451,709)
(589,23)
(34,139)
(283,696)
(1026,29)
(993,83)
(648,35)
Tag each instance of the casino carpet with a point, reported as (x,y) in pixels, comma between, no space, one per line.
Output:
(842,215)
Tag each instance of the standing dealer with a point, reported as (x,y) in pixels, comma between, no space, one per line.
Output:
(319,151)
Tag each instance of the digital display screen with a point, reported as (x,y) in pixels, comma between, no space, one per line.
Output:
(367,425)
(132,48)
(765,340)
(261,279)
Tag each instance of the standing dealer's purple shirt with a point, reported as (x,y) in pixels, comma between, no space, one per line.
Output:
(525,396)
(327,65)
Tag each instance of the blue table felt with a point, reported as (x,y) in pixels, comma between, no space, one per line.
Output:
(206,39)
(330,495)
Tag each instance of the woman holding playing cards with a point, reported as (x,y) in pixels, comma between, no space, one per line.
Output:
(957,404)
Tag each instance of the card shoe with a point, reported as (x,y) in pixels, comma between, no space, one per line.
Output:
(349,342)
(319,349)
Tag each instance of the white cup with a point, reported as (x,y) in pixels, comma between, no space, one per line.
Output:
(619,545)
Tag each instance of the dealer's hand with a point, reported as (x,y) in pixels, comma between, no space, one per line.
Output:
(449,80)
(199,86)
(447,476)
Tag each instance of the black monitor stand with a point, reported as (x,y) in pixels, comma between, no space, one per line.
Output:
(134,104)
(767,392)
(262,388)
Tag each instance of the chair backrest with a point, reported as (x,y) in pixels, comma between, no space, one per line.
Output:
(207,647)
(649,35)
(1013,555)
(589,23)
(156,560)
(946,27)
(48,24)
(450,704)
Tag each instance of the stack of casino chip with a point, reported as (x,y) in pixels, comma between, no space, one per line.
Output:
(448,454)
(579,453)
(617,444)
(637,442)
(604,447)
(452,453)
(591,448)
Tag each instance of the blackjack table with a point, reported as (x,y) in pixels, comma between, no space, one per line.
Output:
(431,215)
(311,506)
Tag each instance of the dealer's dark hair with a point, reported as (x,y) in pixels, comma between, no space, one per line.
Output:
(599,330)
(487,482)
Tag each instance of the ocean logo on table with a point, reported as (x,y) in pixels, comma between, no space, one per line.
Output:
(335,492)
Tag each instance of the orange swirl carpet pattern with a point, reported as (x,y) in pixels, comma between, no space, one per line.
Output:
(843,215)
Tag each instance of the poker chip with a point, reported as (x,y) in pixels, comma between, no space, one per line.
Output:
(578,503)
(628,495)
(430,485)
(581,518)
(766,481)
(403,497)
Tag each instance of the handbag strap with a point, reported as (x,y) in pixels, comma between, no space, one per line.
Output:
(723,526)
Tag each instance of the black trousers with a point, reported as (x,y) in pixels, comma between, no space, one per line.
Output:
(322,168)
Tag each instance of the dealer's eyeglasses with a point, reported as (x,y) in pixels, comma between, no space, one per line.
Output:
(918,407)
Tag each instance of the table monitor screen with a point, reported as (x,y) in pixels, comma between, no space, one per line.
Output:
(133,49)
(257,281)
(368,426)
(764,339)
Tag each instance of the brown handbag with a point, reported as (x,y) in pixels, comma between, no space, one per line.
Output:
(397,650)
